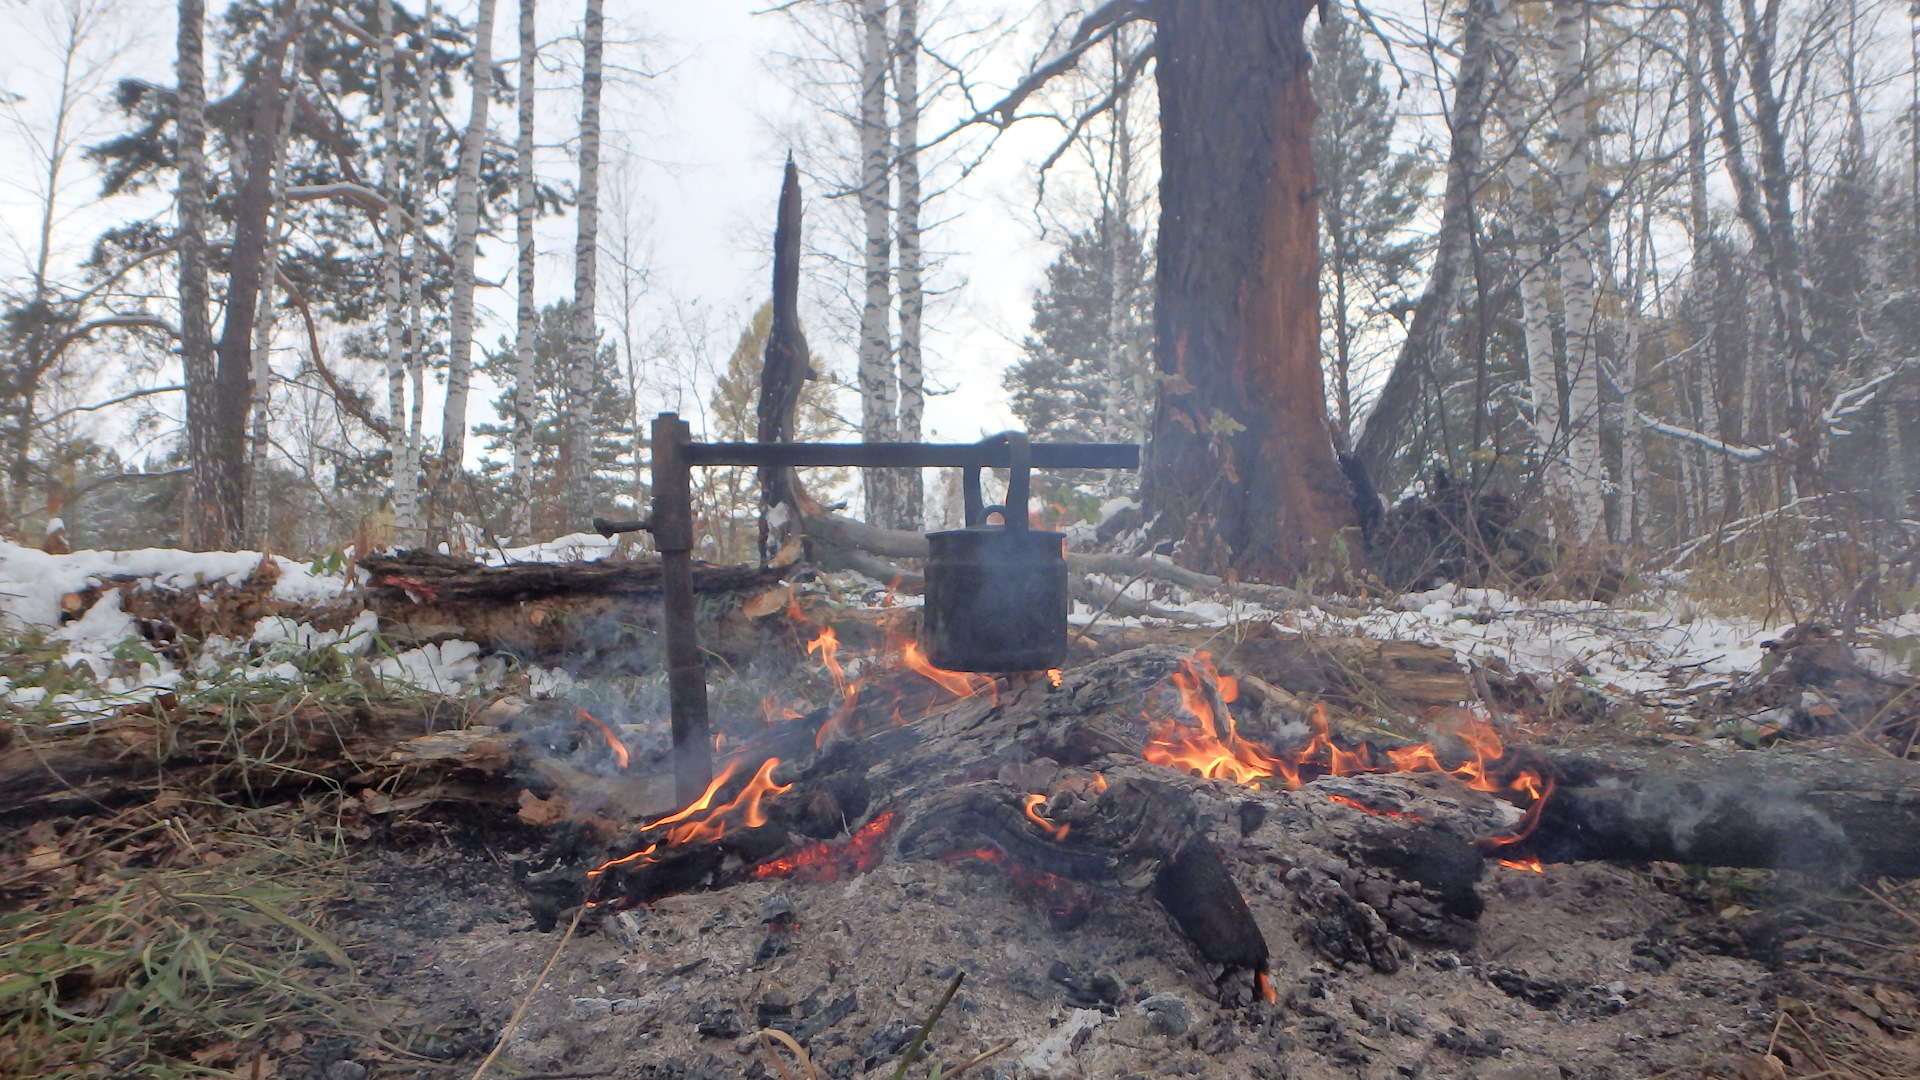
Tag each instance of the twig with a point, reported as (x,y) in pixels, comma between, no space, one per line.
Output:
(920,1037)
(1891,906)
(768,1036)
(976,1059)
(514,1022)
(1863,976)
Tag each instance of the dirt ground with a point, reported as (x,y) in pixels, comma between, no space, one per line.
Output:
(1581,972)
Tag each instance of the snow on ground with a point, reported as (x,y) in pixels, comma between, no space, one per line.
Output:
(108,663)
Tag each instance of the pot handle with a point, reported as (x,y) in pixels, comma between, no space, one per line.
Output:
(1018,483)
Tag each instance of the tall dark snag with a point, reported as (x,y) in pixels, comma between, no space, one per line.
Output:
(1241,469)
(786,367)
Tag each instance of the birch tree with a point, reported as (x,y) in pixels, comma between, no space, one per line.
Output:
(879,392)
(525,314)
(204,524)
(466,209)
(583,340)
(1586,470)
(909,280)
(393,229)
(264,326)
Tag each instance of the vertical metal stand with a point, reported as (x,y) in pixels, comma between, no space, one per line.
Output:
(686,673)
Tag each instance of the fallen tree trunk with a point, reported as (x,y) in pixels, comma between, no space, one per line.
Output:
(445,579)
(1832,812)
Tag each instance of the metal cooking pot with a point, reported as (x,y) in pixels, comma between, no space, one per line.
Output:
(996,595)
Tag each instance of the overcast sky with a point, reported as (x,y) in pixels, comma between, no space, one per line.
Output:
(696,147)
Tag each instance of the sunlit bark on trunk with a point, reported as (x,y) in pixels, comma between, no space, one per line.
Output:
(466,213)
(913,404)
(582,337)
(524,312)
(879,402)
(1586,471)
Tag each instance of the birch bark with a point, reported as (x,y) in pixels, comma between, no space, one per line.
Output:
(581,338)
(1705,275)
(879,406)
(202,524)
(418,261)
(1586,470)
(393,226)
(466,214)
(524,312)
(906,86)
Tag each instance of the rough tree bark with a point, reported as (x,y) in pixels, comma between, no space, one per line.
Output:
(1241,470)
(879,401)
(202,526)
(1385,427)
(526,204)
(913,300)
(785,369)
(466,212)
(582,339)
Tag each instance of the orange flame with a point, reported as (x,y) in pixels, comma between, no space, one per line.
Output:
(1058,832)
(1531,862)
(1364,808)
(700,821)
(961,684)
(1212,747)
(1053,676)
(1265,983)
(614,744)
(827,644)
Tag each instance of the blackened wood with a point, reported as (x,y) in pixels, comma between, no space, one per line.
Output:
(1203,900)
(785,368)
(686,672)
(1833,812)
(443,579)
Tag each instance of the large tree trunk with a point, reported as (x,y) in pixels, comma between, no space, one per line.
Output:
(1241,471)
(582,338)
(525,314)
(232,395)
(466,212)
(202,526)
(913,300)
(879,407)
(1385,427)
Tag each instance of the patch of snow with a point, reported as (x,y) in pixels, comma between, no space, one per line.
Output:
(445,668)
(1052,1055)
(575,547)
(32,581)
(1114,506)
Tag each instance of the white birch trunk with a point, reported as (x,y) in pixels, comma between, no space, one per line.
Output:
(392,227)
(879,416)
(525,313)
(201,521)
(1586,470)
(581,338)
(913,402)
(466,215)
(1706,363)
(1543,376)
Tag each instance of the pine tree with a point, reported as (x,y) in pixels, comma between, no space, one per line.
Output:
(1369,195)
(1091,342)
(609,431)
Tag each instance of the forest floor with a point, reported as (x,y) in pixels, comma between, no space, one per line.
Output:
(219,923)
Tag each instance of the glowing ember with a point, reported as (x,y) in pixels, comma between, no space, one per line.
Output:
(614,744)
(1364,808)
(1531,862)
(1058,832)
(1211,747)
(1053,676)
(855,855)
(1266,987)
(701,821)
(1066,903)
